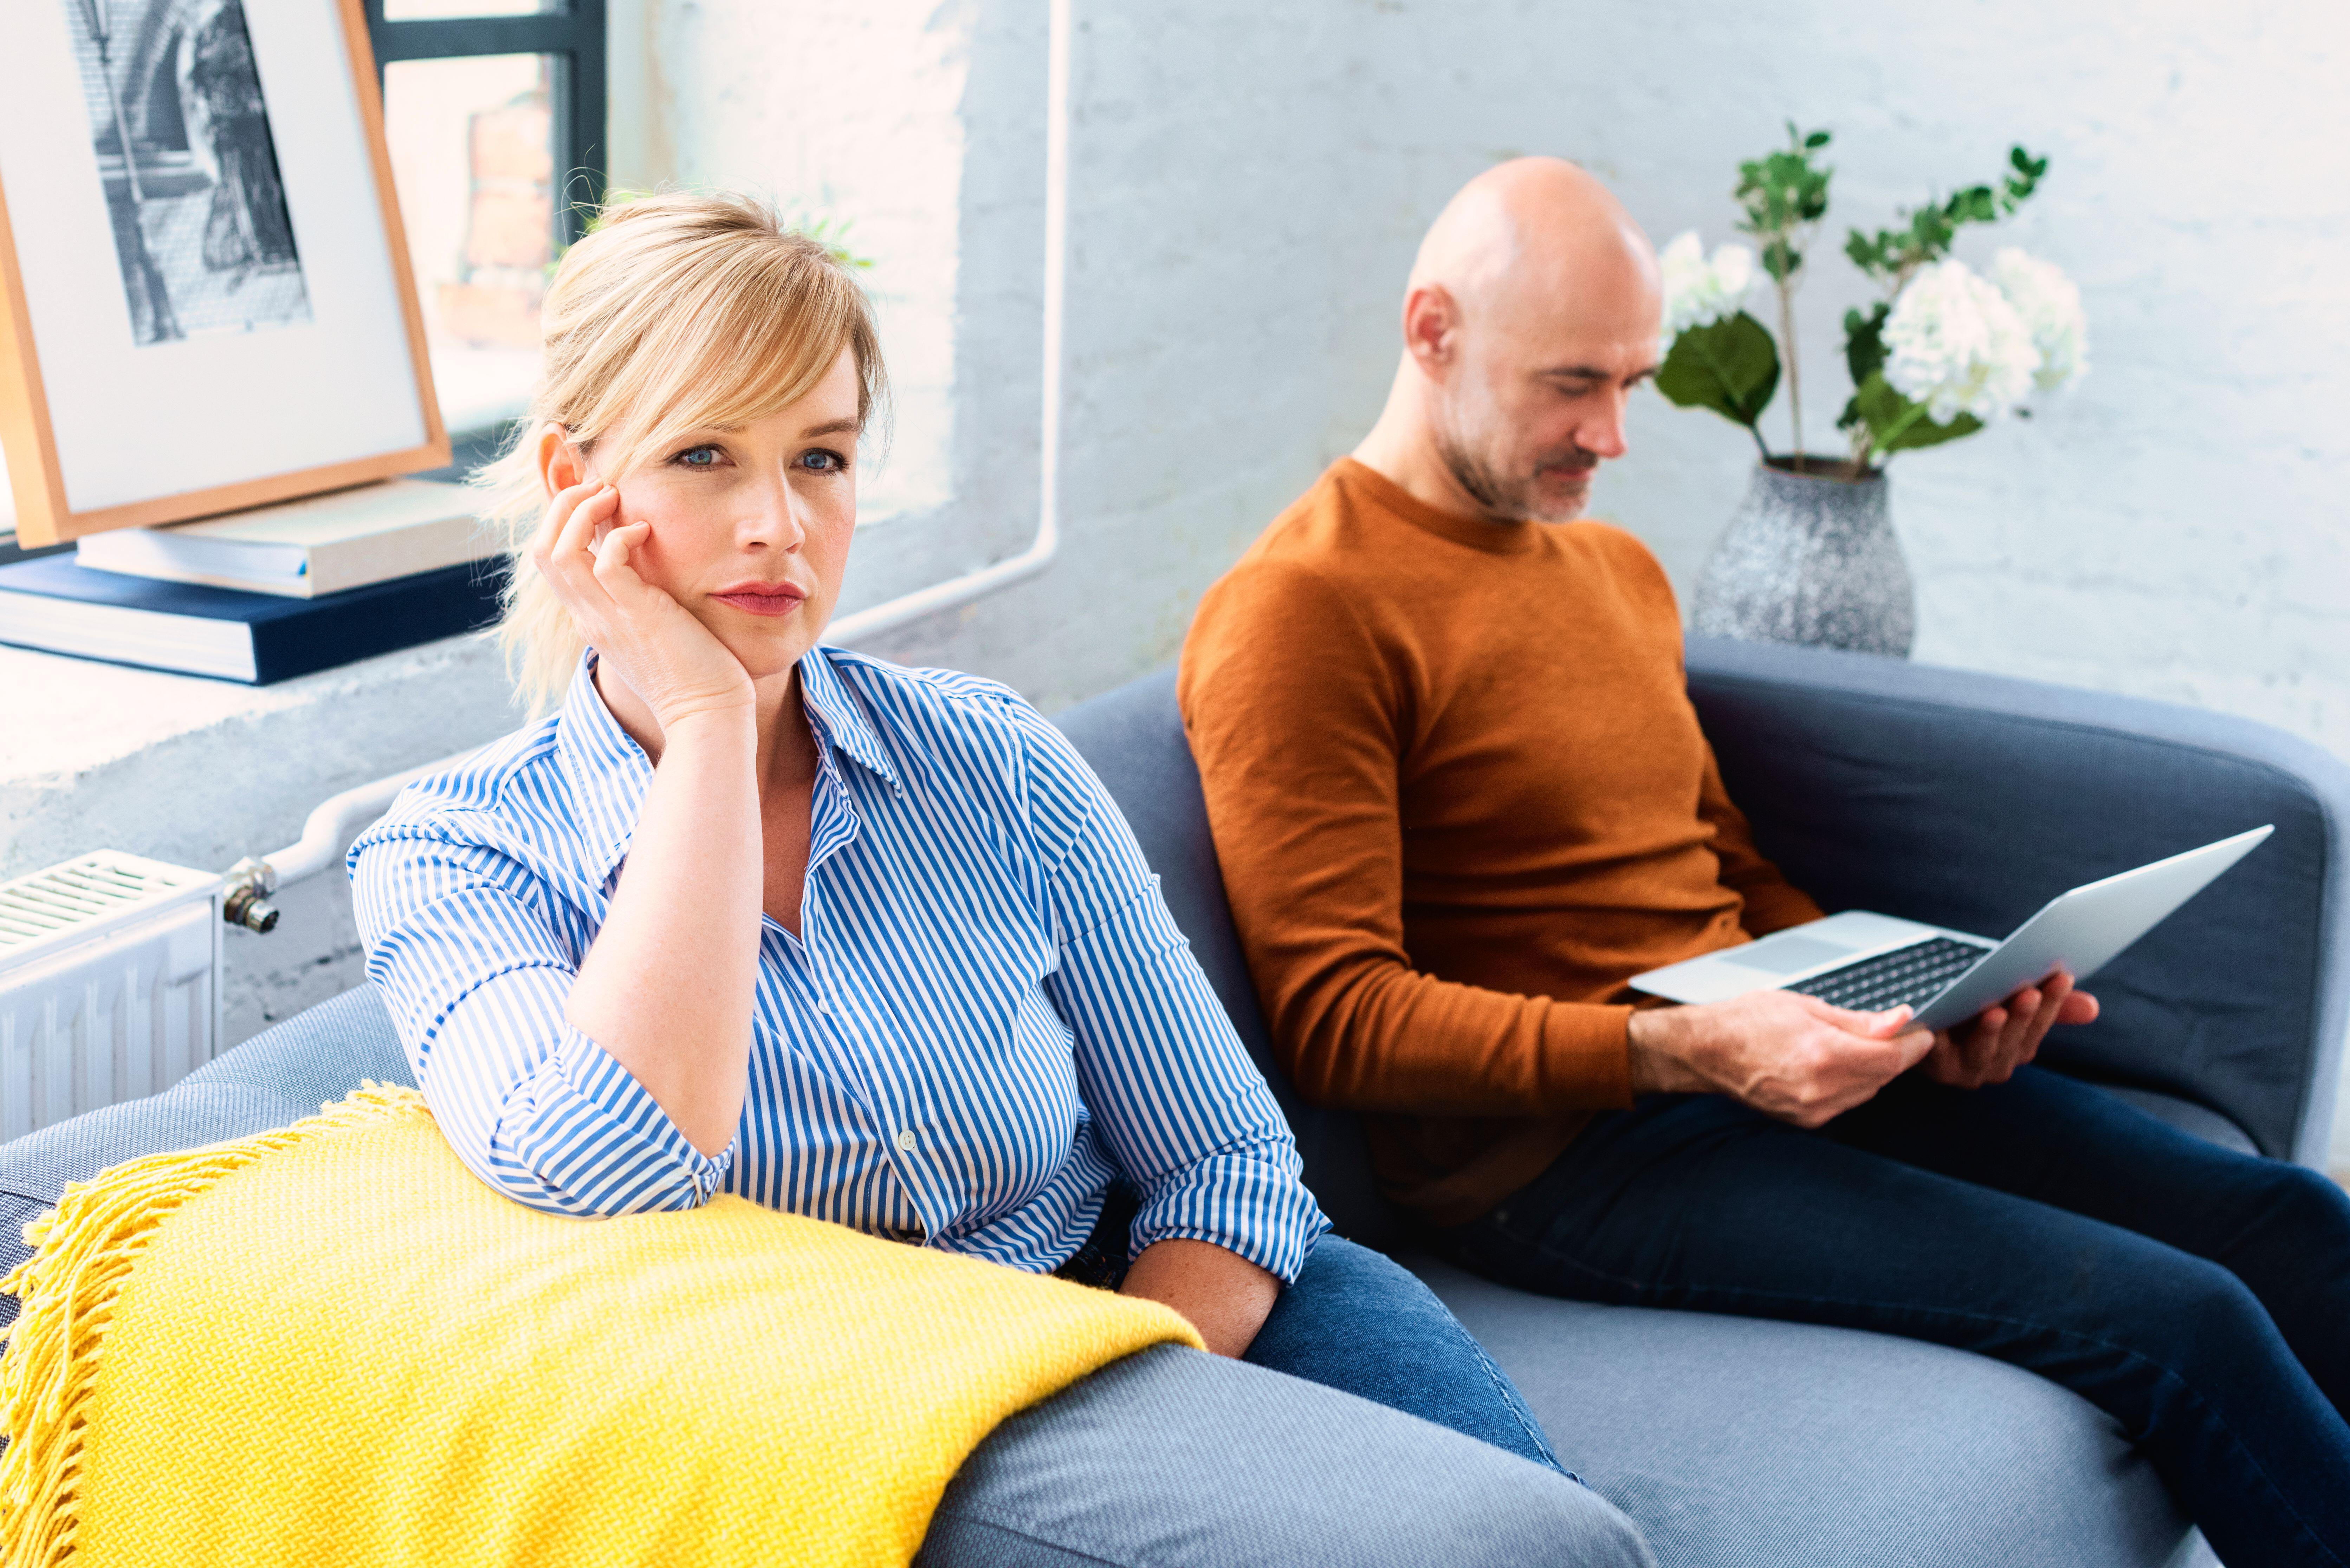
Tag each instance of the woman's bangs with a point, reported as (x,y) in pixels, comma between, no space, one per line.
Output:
(735,368)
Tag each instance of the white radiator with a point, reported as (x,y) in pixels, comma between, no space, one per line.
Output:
(109,985)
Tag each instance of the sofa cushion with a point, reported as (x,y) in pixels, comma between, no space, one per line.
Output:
(1731,1440)
(1739,1441)
(319,1056)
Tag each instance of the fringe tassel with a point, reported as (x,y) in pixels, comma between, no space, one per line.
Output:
(84,1250)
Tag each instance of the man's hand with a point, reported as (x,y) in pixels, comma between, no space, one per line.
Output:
(1793,1057)
(2001,1039)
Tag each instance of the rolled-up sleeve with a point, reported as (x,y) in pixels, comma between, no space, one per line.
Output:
(1175,1097)
(462,943)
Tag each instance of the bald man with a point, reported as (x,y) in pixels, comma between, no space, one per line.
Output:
(1459,797)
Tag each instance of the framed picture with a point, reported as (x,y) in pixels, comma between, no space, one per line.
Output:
(205,302)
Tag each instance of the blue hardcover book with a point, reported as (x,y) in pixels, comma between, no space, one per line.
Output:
(57,606)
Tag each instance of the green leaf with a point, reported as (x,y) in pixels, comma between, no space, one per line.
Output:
(1817,138)
(1863,342)
(1731,367)
(1897,424)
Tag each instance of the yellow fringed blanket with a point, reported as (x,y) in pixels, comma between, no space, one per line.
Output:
(332,1344)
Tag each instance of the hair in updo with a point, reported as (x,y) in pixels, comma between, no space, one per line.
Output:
(677,312)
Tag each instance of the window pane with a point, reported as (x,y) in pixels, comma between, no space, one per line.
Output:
(434,10)
(472,157)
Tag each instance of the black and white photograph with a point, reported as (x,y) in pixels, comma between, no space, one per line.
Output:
(200,240)
(181,126)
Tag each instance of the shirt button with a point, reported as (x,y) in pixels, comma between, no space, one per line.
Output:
(906,1140)
(824,1004)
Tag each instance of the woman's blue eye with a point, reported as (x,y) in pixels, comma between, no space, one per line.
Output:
(824,461)
(698,457)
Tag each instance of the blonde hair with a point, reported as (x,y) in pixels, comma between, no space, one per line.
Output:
(678,312)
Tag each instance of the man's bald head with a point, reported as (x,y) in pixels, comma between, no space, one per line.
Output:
(1533,308)
(1527,229)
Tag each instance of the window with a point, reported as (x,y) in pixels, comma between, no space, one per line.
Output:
(493,115)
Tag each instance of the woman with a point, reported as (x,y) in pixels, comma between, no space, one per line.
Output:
(750,914)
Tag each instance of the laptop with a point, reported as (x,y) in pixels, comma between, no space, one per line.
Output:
(1870,962)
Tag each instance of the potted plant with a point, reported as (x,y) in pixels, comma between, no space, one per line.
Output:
(1810,555)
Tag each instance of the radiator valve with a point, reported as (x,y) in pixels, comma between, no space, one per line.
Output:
(246,904)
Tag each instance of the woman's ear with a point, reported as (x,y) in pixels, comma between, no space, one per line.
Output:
(561,464)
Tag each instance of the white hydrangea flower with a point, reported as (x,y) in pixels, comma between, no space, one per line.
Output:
(2051,307)
(1956,345)
(1697,292)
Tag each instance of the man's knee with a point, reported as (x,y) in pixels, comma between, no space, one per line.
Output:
(2192,1315)
(2308,1206)
(1170,1456)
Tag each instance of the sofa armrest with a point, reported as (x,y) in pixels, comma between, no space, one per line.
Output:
(1969,800)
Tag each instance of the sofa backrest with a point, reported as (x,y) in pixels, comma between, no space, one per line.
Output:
(1956,798)
(1133,738)
(1967,800)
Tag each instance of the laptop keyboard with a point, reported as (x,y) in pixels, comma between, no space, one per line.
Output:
(1914,974)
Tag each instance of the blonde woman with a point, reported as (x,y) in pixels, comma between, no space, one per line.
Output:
(749,914)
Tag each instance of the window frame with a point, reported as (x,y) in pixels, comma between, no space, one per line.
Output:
(574,37)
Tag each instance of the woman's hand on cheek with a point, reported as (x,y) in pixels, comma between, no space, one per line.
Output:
(650,641)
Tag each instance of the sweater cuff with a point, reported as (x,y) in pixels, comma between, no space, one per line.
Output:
(1586,1057)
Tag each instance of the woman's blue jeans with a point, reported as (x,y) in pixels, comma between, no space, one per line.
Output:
(2199,1296)
(1357,1321)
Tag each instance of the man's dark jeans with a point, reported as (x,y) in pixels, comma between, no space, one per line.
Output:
(2199,1296)
(1361,1323)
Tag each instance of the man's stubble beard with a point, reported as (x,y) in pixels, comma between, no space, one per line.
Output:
(1503,498)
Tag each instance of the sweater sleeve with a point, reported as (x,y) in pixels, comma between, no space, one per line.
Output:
(1298,720)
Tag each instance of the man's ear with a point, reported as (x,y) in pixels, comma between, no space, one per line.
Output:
(561,464)
(1431,329)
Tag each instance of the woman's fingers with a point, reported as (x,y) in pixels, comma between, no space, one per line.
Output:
(613,565)
(577,537)
(569,562)
(558,514)
(613,549)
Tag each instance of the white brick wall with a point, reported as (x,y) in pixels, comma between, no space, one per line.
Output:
(1248,182)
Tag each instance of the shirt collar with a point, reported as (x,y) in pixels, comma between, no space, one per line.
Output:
(609,772)
(840,717)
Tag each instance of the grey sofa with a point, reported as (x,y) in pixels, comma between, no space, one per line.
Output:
(1958,799)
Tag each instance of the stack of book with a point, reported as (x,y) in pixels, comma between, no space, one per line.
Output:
(266,595)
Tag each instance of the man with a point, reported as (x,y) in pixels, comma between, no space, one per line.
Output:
(1459,797)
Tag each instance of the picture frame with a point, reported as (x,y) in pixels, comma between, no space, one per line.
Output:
(205,299)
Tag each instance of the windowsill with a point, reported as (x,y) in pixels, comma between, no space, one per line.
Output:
(200,773)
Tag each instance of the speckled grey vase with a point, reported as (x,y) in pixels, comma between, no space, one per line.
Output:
(1810,560)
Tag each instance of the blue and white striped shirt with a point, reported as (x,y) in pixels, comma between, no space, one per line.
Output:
(988,1013)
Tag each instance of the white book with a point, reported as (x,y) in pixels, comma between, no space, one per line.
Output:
(303,549)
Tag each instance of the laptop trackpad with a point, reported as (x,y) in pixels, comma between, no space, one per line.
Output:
(1784,954)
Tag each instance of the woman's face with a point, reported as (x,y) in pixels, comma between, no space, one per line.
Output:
(751,526)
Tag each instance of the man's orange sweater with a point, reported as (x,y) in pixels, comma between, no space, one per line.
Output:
(1459,797)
